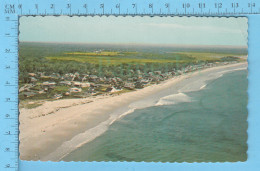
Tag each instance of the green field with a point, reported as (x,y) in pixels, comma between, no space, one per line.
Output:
(52,62)
(117,58)
(112,61)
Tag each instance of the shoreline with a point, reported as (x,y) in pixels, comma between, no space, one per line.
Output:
(62,126)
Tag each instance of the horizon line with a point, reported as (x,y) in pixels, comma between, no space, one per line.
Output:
(143,44)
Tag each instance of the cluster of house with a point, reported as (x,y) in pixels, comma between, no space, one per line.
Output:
(85,85)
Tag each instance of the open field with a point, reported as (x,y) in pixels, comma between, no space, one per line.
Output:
(55,71)
(117,58)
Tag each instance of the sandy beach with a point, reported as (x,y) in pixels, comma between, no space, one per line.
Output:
(56,128)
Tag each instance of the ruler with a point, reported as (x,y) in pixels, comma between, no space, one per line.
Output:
(137,7)
(9,91)
(9,21)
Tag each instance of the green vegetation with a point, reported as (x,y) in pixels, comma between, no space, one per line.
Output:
(208,55)
(60,89)
(34,105)
(230,58)
(122,91)
(53,58)
(117,58)
(102,53)
(30,104)
(122,68)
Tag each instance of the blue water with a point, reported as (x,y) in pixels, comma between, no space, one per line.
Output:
(210,128)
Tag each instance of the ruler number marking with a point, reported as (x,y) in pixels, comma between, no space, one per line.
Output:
(251,6)
(20,6)
(102,6)
(69,7)
(86,7)
(135,6)
(118,7)
(151,6)
(185,6)
(202,8)
(167,6)
(52,6)
(235,5)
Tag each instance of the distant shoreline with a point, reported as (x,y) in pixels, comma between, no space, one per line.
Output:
(53,130)
(144,45)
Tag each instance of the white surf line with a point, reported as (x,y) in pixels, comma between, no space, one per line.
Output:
(85,137)
(203,86)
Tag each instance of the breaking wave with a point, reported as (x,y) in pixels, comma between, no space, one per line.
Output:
(173,99)
(203,86)
(122,115)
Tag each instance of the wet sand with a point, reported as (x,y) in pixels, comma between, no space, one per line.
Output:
(56,128)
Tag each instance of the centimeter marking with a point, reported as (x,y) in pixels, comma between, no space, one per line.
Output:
(9,99)
(228,7)
(9,38)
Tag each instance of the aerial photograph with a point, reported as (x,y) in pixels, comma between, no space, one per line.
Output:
(142,89)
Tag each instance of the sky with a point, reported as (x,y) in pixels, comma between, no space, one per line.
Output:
(138,30)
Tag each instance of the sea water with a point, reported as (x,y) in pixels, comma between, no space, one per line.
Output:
(208,125)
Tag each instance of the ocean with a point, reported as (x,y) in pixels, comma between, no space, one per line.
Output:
(205,124)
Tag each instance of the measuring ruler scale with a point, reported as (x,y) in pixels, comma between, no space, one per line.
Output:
(9,18)
(172,7)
